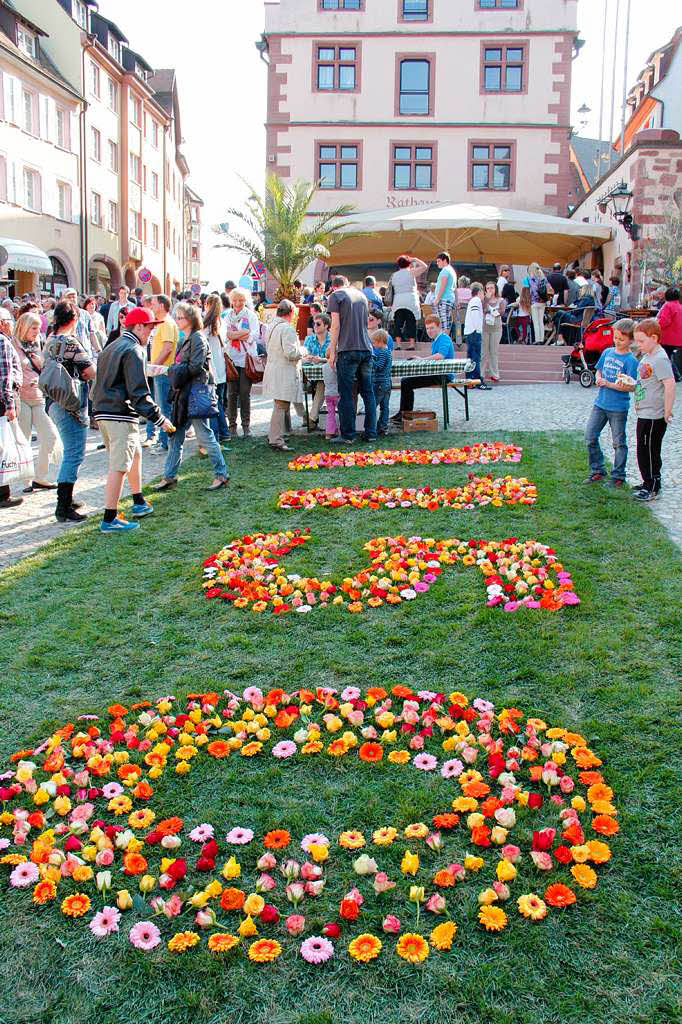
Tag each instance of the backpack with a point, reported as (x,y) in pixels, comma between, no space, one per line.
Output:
(542,290)
(56,382)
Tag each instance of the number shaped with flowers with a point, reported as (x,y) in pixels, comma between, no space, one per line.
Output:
(518,574)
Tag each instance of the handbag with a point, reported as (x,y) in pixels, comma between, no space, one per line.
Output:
(390,294)
(56,382)
(231,370)
(16,457)
(203,400)
(254,368)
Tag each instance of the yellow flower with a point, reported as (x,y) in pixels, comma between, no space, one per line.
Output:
(319,852)
(486,897)
(464,803)
(182,941)
(417,831)
(198,899)
(580,854)
(506,872)
(213,889)
(124,900)
(530,905)
(253,904)
(384,836)
(472,863)
(263,951)
(584,875)
(141,819)
(398,757)
(442,935)
(231,868)
(247,928)
(578,803)
(41,796)
(351,840)
(82,873)
(182,768)
(250,749)
(493,919)
(147,883)
(410,863)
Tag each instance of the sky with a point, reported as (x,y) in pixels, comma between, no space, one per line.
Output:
(222,86)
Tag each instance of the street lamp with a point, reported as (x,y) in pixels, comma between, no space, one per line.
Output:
(619,198)
(263,48)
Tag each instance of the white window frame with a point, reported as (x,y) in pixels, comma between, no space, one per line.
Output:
(26,41)
(135,169)
(65,141)
(155,185)
(114,47)
(3,178)
(136,111)
(81,15)
(135,224)
(113,155)
(155,134)
(34,127)
(96,140)
(112,89)
(64,207)
(96,205)
(95,80)
(30,174)
(113,217)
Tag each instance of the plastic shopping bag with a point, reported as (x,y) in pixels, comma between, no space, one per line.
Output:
(16,458)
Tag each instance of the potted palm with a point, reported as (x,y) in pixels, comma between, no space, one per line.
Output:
(279,230)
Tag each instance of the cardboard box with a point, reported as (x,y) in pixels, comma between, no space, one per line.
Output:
(419,419)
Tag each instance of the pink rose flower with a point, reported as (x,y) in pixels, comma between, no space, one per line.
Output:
(267,862)
(391,924)
(310,872)
(382,882)
(436,903)
(265,883)
(543,861)
(511,853)
(295,924)
(315,888)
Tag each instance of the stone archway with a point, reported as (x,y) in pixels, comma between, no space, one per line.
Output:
(112,265)
(155,285)
(130,276)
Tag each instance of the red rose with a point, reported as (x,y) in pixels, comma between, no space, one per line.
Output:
(117,737)
(210,849)
(535,801)
(177,870)
(269,914)
(133,743)
(350,911)
(332,930)
(563,855)
(205,864)
(543,840)
(5,793)
(72,844)
(153,838)
(63,790)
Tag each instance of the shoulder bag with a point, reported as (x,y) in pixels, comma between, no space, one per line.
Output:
(56,382)
(254,368)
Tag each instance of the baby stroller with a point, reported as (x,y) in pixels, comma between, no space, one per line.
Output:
(586,351)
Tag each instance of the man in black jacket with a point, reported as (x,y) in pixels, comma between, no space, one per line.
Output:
(121,396)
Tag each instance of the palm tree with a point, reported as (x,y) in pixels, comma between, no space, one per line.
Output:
(283,235)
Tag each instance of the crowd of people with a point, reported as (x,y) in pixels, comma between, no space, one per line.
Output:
(186,364)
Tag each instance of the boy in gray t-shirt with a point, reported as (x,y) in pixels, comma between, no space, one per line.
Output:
(654,398)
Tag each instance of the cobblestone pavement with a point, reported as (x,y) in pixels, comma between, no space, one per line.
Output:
(533,407)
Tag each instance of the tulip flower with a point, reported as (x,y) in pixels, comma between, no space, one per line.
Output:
(410,863)
(103,880)
(365,865)
(124,900)
(295,892)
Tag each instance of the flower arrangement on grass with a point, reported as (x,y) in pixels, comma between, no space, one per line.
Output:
(518,574)
(482,452)
(521,801)
(478,492)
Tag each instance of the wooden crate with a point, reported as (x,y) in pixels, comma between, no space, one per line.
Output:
(419,419)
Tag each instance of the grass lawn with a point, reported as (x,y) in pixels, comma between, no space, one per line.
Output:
(91,620)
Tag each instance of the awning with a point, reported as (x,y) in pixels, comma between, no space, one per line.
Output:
(24,256)
(470,233)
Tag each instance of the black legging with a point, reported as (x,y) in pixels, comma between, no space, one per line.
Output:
(649,440)
(405,324)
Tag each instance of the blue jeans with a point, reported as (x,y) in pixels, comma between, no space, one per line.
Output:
(161,391)
(382,397)
(351,367)
(219,423)
(74,436)
(473,344)
(596,423)
(206,439)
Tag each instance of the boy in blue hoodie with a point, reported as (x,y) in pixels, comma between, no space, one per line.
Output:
(381,378)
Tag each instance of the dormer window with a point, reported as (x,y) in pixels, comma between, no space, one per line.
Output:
(140,72)
(80,13)
(26,41)
(114,48)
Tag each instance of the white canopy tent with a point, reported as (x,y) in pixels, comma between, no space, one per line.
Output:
(470,233)
(23,256)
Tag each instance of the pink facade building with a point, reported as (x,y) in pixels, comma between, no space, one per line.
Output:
(390,103)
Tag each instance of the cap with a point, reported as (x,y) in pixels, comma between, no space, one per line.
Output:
(140,315)
(5,314)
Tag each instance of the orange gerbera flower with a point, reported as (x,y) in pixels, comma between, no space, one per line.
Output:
(76,905)
(277,839)
(591,778)
(134,864)
(264,951)
(559,896)
(222,942)
(599,791)
(232,899)
(365,948)
(337,748)
(218,748)
(143,791)
(169,826)
(44,892)
(371,752)
(117,710)
(128,769)
(476,789)
(584,758)
(445,821)
(403,692)
(376,693)
(413,948)
(605,825)
(275,696)
(584,875)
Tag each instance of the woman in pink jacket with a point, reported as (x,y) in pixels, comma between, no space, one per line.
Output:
(670,319)
(32,415)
